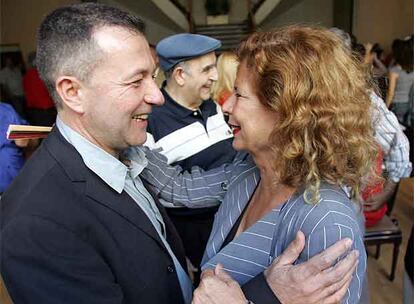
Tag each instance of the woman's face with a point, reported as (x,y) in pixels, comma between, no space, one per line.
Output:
(250,120)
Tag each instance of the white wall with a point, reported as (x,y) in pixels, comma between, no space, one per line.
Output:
(199,12)
(238,11)
(158,26)
(20,19)
(305,12)
(383,20)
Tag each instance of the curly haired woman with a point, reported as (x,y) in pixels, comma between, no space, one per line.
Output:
(300,117)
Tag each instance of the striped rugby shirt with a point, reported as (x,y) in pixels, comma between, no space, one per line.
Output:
(190,138)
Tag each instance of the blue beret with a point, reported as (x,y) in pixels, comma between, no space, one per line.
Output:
(181,47)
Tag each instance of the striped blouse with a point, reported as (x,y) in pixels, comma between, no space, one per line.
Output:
(334,217)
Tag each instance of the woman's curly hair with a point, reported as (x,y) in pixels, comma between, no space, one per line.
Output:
(320,92)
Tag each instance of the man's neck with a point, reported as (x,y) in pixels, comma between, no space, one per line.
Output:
(77,127)
(181,98)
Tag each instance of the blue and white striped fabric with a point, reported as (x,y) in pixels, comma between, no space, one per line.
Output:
(333,218)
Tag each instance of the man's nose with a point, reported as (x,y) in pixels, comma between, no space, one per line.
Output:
(214,74)
(154,95)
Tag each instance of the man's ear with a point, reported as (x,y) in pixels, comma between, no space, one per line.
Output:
(179,76)
(69,90)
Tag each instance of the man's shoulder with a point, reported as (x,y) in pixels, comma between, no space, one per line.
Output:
(41,173)
(48,167)
(210,104)
(42,188)
(162,121)
(161,111)
(166,119)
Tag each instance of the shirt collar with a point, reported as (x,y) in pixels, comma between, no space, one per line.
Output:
(207,107)
(111,170)
(137,159)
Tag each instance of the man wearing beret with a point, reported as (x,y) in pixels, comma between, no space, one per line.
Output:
(189,129)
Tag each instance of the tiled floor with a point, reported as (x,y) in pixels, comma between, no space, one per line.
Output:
(381,289)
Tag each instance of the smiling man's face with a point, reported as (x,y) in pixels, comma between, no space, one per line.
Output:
(202,73)
(121,91)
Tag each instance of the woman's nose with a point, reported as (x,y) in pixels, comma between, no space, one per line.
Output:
(228,104)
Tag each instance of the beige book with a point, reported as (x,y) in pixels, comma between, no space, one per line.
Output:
(27,132)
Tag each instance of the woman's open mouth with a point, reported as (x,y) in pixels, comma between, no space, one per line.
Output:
(235,129)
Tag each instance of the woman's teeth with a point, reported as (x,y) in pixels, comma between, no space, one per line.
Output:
(234,128)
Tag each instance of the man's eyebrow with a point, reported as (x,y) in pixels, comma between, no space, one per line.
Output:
(134,73)
(208,67)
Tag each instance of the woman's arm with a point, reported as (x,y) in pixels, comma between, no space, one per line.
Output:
(392,82)
(382,69)
(332,219)
(318,241)
(320,280)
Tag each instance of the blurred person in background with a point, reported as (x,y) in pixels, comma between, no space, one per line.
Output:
(390,58)
(189,129)
(222,89)
(11,85)
(12,156)
(392,142)
(41,109)
(372,57)
(159,77)
(401,81)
